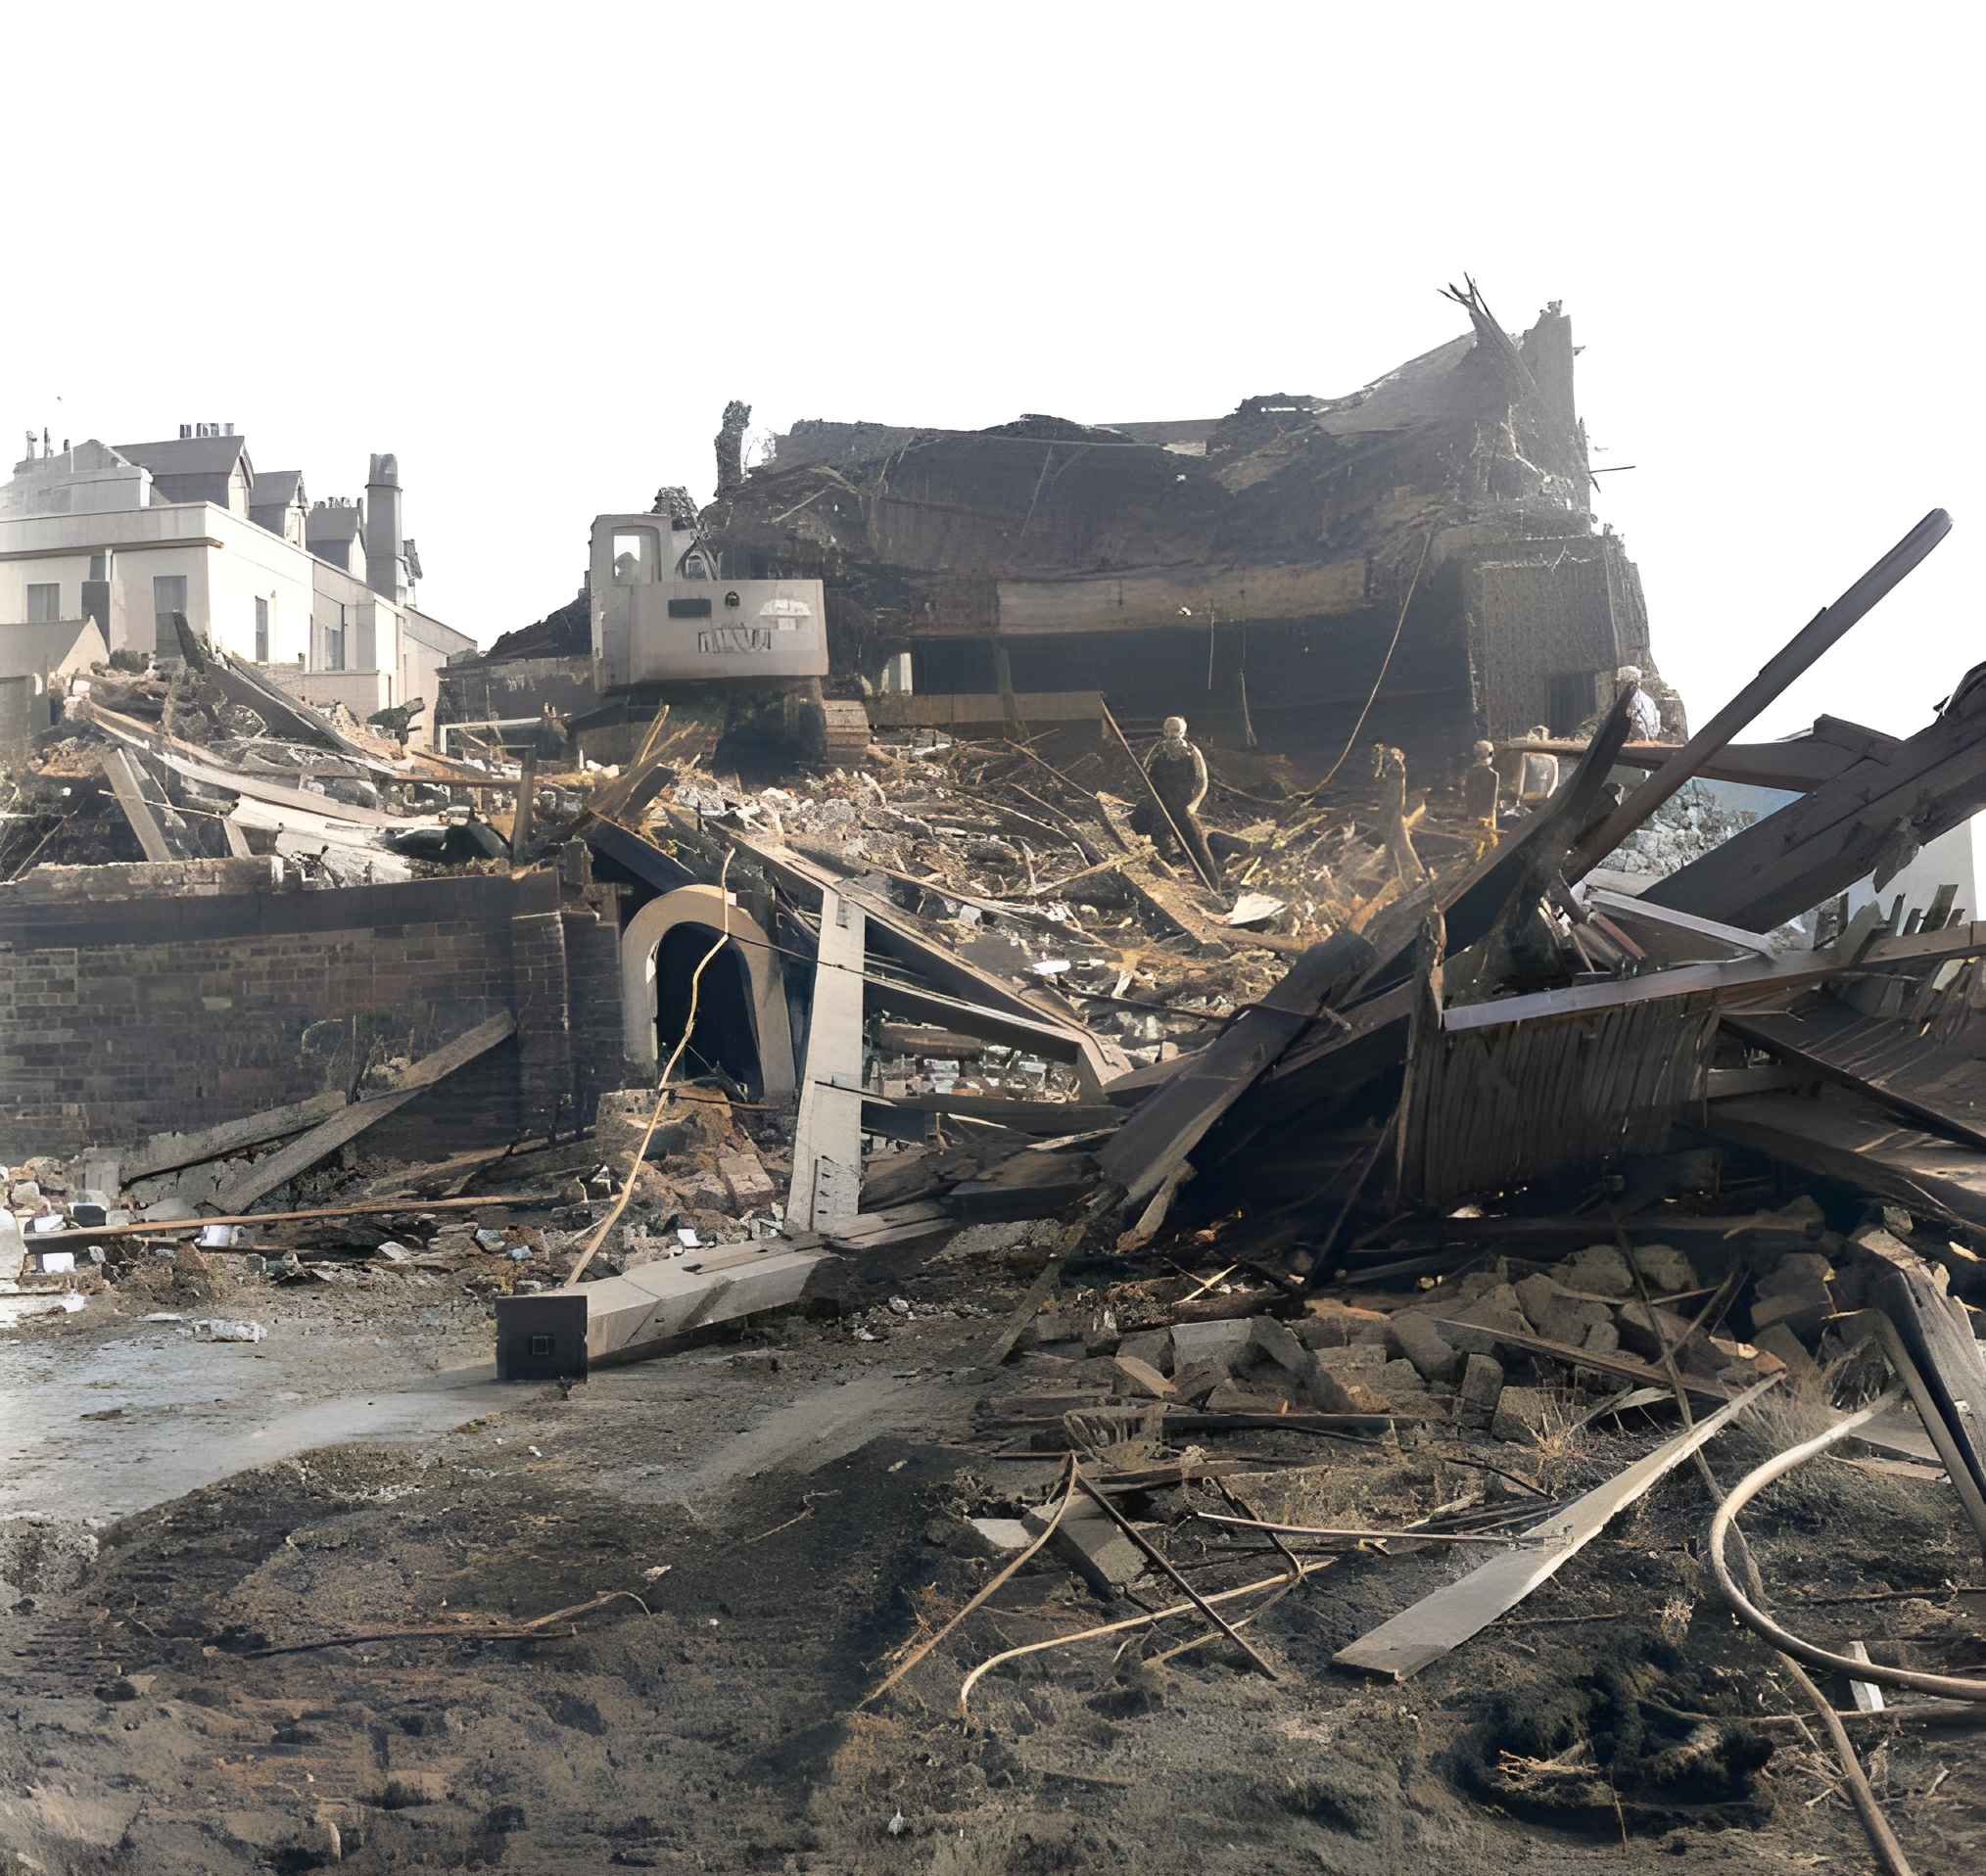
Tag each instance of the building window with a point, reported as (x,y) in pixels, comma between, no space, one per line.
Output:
(334,644)
(262,631)
(169,595)
(99,566)
(44,604)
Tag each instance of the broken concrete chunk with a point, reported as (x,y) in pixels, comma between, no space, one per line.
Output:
(1482,1384)
(1358,1359)
(1600,1270)
(1153,1346)
(1645,1334)
(1601,1338)
(1003,1533)
(1090,1543)
(1230,1397)
(1274,1341)
(1196,1380)
(1779,1340)
(1413,1337)
(745,1179)
(1140,1378)
(1399,1378)
(1522,1417)
(1798,1269)
(1664,1269)
(1331,1324)
(1803,1309)
(1221,1342)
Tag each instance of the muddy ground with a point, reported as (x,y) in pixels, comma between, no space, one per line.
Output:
(785,1505)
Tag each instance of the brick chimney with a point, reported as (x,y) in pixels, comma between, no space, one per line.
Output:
(383,572)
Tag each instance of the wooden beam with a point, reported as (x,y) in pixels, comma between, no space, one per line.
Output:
(350,1122)
(162,1151)
(1799,654)
(124,780)
(1443,1621)
(827,1188)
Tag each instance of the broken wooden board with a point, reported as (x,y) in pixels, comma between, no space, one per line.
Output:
(1047,1117)
(1164,1128)
(1794,765)
(163,1152)
(1872,818)
(1622,1366)
(643,1313)
(826,1185)
(1492,1107)
(1741,980)
(123,774)
(1892,1062)
(894,934)
(348,1123)
(1443,1621)
(1841,1136)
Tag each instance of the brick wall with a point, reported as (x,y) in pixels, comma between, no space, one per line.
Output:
(135,1000)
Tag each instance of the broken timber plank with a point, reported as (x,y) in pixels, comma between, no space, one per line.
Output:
(1888,1062)
(162,1151)
(1872,818)
(1164,1128)
(1854,1141)
(643,1313)
(1467,1336)
(350,1122)
(1743,978)
(1798,654)
(1443,1621)
(894,934)
(825,1192)
(124,784)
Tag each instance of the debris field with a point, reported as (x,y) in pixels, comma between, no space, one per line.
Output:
(1046,1313)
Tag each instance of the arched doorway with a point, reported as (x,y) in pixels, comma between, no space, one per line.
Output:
(725,1036)
(655,968)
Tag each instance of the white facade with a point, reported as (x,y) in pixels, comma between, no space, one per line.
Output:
(86,516)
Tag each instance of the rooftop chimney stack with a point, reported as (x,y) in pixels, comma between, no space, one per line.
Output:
(383,572)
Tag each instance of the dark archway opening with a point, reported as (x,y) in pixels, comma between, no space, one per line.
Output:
(723,1037)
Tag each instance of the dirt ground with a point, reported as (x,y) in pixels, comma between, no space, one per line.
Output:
(778,1516)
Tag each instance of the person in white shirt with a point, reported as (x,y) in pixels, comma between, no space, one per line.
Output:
(1645,714)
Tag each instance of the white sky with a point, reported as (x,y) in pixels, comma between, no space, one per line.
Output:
(534,252)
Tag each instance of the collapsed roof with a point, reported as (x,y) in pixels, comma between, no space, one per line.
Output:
(1429,536)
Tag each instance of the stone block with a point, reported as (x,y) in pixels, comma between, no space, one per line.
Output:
(1221,1342)
(1153,1346)
(1411,1335)
(1090,1543)
(1779,1340)
(1482,1384)
(1522,1415)
(1230,1397)
(1196,1380)
(1664,1269)
(1599,1270)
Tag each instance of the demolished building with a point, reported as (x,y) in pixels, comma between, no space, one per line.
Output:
(1263,572)
(1418,561)
(1443,1134)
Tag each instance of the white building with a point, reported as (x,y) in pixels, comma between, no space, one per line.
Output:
(322,597)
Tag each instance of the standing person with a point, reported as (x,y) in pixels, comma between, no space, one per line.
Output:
(1177,772)
(1481,786)
(1645,714)
(1395,819)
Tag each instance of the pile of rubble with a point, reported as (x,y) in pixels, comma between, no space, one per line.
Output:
(1311,1115)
